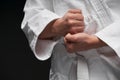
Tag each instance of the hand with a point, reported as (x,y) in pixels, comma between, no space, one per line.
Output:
(82,42)
(72,22)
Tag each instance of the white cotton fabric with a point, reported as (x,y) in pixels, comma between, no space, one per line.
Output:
(102,18)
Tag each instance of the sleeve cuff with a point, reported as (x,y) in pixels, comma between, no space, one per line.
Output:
(35,25)
(111,36)
(39,21)
(43,49)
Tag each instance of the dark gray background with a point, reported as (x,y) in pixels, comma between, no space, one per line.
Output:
(17,62)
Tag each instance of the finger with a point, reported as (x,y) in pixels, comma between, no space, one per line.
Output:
(76,29)
(75,23)
(69,47)
(77,16)
(70,38)
(72,47)
(67,37)
(75,11)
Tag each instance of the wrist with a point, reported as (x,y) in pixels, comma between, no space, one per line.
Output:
(97,43)
(48,33)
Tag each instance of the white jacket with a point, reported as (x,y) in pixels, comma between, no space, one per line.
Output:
(102,18)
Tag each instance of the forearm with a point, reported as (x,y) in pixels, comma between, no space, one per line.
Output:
(82,42)
(48,33)
(66,24)
(96,42)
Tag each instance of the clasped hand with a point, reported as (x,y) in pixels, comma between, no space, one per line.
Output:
(75,39)
(71,26)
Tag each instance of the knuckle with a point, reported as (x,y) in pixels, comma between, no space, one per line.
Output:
(72,30)
(75,10)
(70,22)
(82,17)
(75,38)
(69,16)
(82,23)
(70,10)
(82,29)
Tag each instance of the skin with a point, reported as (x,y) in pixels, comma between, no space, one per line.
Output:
(71,26)
(71,22)
(81,42)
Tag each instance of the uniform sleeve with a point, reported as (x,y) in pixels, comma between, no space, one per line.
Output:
(38,13)
(111,36)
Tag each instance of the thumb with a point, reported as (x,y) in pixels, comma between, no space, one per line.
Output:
(70,38)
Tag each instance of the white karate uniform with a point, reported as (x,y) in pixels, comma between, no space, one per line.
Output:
(102,18)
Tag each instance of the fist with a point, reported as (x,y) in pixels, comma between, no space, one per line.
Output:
(72,22)
(81,42)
